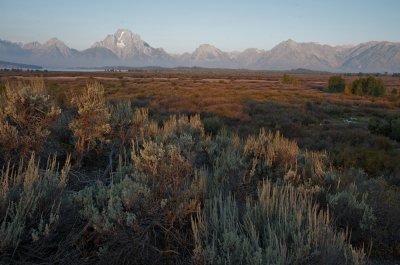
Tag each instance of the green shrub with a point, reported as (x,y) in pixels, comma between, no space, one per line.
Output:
(385,202)
(388,126)
(336,84)
(379,126)
(212,125)
(370,86)
(395,129)
(351,211)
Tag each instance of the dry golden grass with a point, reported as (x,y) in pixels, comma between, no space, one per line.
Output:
(220,92)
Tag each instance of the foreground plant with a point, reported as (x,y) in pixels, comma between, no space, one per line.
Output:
(30,202)
(282,226)
(26,114)
(92,124)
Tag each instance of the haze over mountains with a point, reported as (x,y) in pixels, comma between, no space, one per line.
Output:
(124,48)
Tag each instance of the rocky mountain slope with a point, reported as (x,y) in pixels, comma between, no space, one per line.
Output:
(125,48)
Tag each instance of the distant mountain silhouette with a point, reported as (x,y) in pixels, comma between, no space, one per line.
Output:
(124,48)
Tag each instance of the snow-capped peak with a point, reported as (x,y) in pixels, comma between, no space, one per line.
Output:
(120,43)
(54,42)
(126,44)
(122,34)
(207,50)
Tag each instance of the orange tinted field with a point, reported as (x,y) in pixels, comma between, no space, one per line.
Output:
(221,92)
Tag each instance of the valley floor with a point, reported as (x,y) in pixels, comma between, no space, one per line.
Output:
(182,166)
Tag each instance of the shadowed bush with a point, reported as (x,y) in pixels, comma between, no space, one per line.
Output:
(30,201)
(281,226)
(212,125)
(151,198)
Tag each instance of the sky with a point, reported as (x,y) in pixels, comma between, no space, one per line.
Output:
(181,26)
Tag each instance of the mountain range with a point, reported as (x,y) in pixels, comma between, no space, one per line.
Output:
(125,48)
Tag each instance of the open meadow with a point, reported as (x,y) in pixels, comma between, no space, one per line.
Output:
(197,166)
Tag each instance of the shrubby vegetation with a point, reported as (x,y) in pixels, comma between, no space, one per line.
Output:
(281,226)
(179,192)
(212,125)
(371,86)
(25,116)
(92,122)
(30,203)
(388,126)
(289,80)
(336,84)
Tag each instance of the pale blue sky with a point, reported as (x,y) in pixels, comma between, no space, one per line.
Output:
(180,26)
